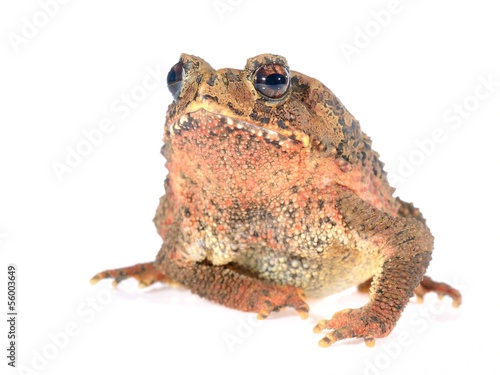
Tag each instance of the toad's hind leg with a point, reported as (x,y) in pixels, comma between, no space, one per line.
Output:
(427,285)
(145,273)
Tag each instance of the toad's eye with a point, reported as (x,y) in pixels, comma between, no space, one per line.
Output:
(174,79)
(272,80)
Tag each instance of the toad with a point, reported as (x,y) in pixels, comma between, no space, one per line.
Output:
(273,195)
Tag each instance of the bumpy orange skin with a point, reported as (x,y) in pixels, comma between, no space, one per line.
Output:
(269,201)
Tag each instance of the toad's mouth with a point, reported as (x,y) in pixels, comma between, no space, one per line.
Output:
(215,125)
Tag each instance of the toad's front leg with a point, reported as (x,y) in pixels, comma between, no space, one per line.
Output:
(403,247)
(222,284)
(145,273)
(232,287)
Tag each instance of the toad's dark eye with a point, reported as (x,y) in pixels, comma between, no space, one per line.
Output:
(174,79)
(272,80)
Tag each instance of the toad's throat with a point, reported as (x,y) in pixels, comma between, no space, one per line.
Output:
(216,125)
(214,158)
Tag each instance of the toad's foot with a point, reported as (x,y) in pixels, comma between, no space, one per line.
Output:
(365,322)
(428,285)
(276,297)
(145,273)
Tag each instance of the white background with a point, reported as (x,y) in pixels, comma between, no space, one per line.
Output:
(71,72)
